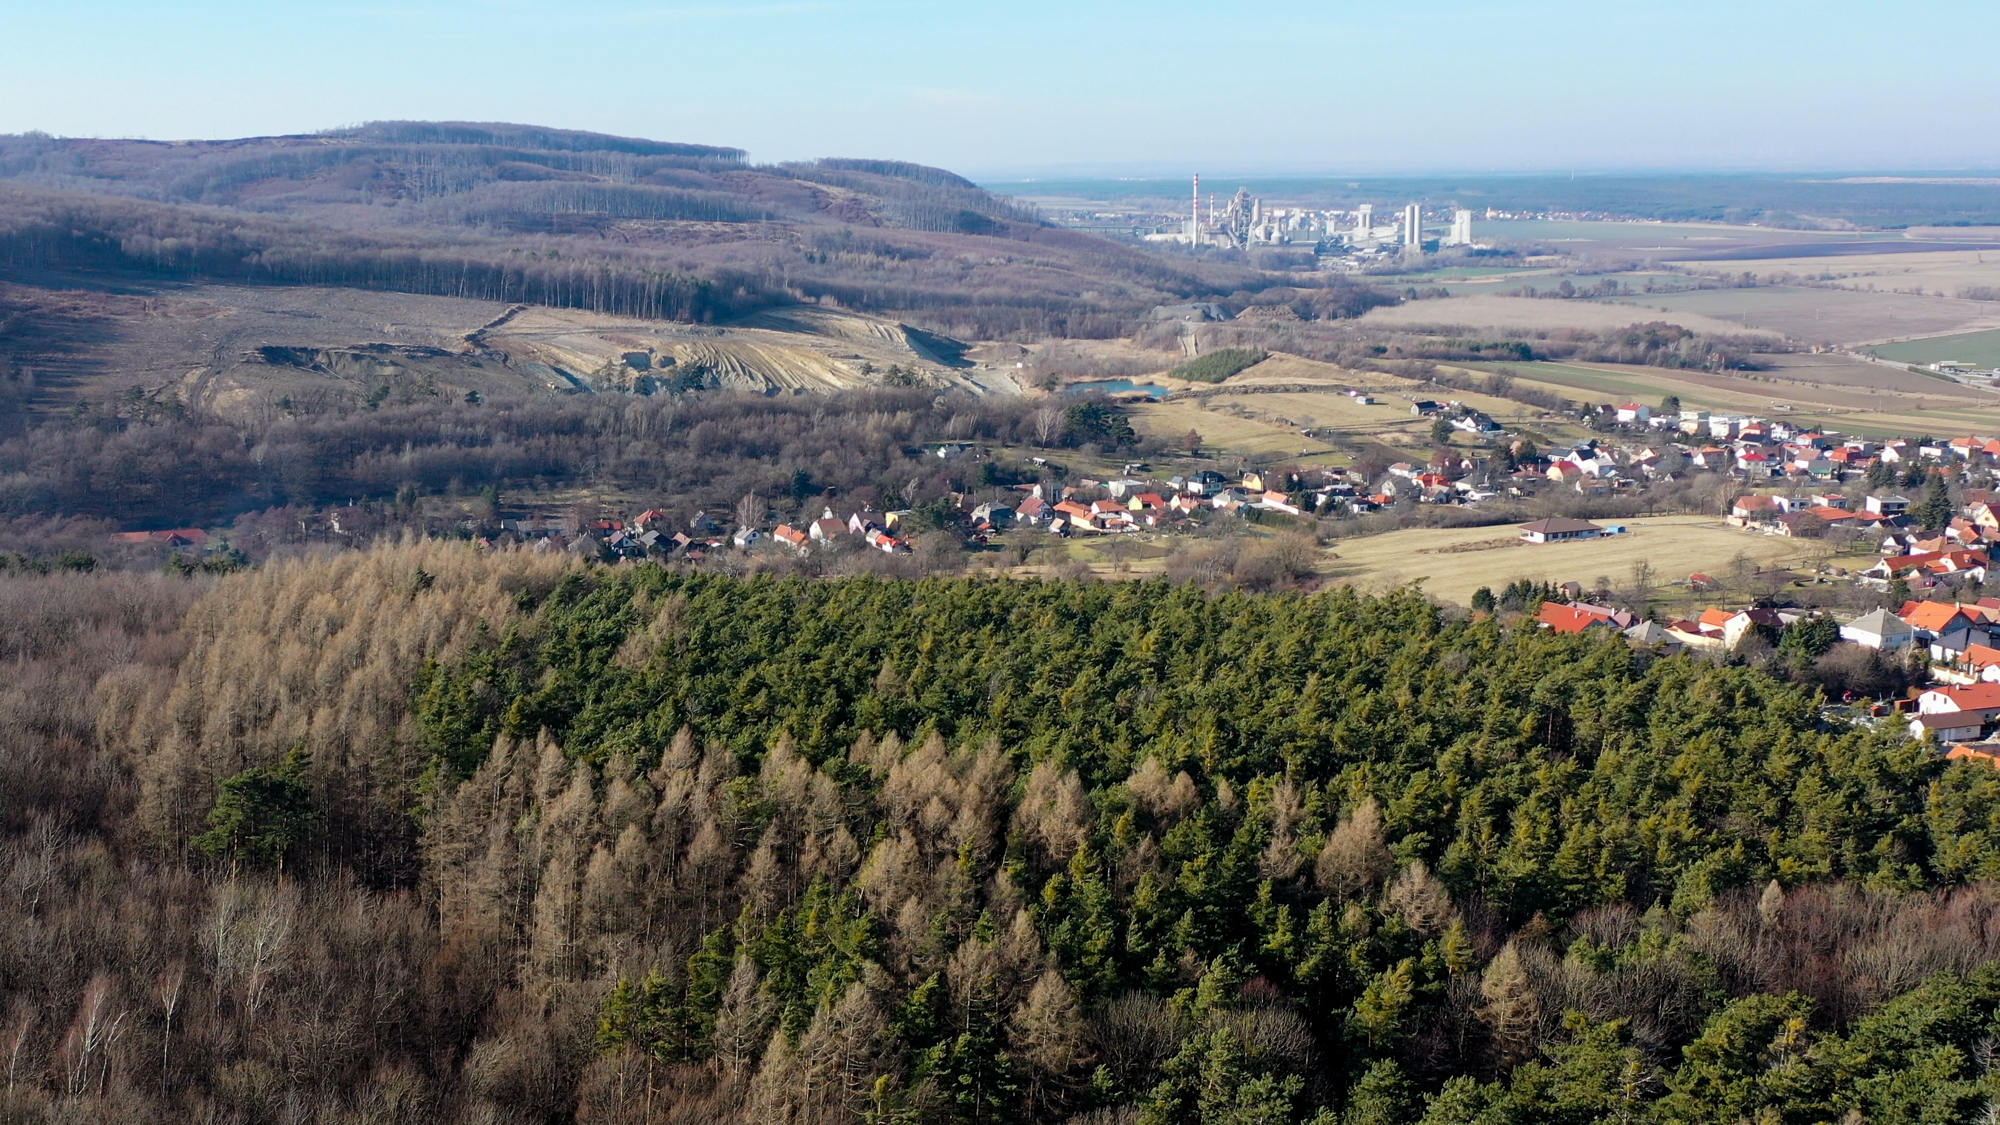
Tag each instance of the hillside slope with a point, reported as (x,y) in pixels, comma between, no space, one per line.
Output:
(579,220)
(381,263)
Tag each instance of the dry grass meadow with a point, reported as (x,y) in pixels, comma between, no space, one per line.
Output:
(1266,409)
(1453,562)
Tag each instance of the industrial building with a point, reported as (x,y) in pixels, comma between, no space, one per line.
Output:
(1244,221)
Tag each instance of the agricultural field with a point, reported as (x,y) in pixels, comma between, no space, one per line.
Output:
(1811,315)
(1982,348)
(1662,241)
(1836,392)
(1489,312)
(1453,562)
(1941,273)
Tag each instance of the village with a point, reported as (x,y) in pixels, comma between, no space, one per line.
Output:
(1901,532)
(1907,528)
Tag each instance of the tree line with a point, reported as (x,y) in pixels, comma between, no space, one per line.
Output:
(121,462)
(514,213)
(429,834)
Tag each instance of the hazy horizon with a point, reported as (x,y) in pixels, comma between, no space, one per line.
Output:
(1043,91)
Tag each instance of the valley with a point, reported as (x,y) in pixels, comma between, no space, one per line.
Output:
(532,627)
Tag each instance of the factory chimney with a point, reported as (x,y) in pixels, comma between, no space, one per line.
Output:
(1413,226)
(1194,214)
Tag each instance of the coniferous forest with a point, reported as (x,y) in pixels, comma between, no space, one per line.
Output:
(434,834)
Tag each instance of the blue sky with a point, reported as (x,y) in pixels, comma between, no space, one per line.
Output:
(1033,87)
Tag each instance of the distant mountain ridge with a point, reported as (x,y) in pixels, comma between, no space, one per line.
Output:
(574,219)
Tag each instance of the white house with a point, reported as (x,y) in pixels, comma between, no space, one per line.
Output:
(1558,529)
(1879,630)
(1948,726)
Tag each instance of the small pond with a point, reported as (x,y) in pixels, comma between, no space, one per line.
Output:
(1117,387)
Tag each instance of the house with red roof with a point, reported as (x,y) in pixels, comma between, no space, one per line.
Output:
(1278,502)
(1982,699)
(1982,662)
(1110,514)
(1927,569)
(1077,514)
(1754,509)
(177,538)
(1986,752)
(1568,618)
(1711,621)
(1936,618)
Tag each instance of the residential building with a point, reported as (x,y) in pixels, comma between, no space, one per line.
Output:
(1559,529)
(1879,630)
(1947,726)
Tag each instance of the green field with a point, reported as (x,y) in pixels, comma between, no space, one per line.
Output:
(1982,348)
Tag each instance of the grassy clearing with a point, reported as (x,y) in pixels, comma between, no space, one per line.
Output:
(1675,546)
(1230,433)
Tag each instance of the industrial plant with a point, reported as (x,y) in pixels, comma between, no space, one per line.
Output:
(1244,221)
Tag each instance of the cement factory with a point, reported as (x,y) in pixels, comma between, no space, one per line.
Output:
(1244,222)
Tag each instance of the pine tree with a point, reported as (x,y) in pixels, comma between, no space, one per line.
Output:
(1935,511)
(1383,1096)
(261,813)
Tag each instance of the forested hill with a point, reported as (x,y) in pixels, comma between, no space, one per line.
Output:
(615,224)
(431,834)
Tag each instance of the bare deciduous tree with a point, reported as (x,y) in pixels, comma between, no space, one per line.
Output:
(1355,858)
